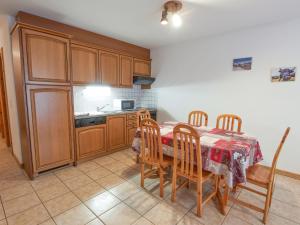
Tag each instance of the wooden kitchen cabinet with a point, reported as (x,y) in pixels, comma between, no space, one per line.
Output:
(90,141)
(142,67)
(51,126)
(126,71)
(109,68)
(116,136)
(84,65)
(46,57)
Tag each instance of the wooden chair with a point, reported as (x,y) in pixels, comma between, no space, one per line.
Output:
(188,164)
(142,114)
(152,154)
(198,118)
(227,122)
(263,177)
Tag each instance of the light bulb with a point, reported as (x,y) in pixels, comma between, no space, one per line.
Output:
(164,18)
(164,22)
(176,20)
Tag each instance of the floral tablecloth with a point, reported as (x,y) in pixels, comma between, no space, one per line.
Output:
(223,152)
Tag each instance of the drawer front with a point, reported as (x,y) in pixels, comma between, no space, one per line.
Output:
(131,116)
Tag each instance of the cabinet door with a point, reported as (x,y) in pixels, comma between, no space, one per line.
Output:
(109,67)
(46,57)
(126,71)
(90,140)
(51,126)
(117,137)
(142,67)
(130,135)
(84,65)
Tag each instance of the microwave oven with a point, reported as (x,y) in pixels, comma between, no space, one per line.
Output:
(124,104)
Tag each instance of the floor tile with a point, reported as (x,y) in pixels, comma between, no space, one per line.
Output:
(211,214)
(44,181)
(95,222)
(104,160)
(48,222)
(285,210)
(88,191)
(142,221)
(164,214)
(287,183)
(115,166)
(87,166)
(2,215)
(98,173)
(78,215)
(127,173)
(120,214)
(12,182)
(78,181)
(52,191)
(16,192)
(292,198)
(233,220)
(67,173)
(189,220)
(276,220)
(110,181)
(147,182)
(62,203)
(246,214)
(3,222)
(185,197)
(32,216)
(102,203)
(20,204)
(142,202)
(124,190)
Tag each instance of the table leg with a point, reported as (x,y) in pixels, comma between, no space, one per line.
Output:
(226,194)
(220,198)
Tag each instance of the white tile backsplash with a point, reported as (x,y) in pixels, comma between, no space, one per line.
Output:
(143,98)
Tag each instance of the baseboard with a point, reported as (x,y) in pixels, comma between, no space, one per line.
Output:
(21,165)
(285,173)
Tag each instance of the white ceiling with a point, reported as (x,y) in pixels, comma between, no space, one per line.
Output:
(138,21)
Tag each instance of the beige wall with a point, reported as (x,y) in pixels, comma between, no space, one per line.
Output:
(5,24)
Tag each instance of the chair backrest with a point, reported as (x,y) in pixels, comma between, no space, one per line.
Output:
(198,118)
(276,156)
(142,114)
(187,150)
(151,142)
(227,122)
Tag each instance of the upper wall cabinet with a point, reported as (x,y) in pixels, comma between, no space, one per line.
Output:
(126,71)
(109,68)
(142,67)
(85,68)
(46,57)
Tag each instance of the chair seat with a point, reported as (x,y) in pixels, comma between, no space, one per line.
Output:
(166,162)
(259,175)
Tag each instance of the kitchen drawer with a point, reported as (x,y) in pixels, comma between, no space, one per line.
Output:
(131,116)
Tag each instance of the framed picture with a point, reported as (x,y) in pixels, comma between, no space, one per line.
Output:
(283,74)
(242,64)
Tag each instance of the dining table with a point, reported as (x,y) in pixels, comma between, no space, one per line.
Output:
(224,153)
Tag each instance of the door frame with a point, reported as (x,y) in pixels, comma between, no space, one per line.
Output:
(4,103)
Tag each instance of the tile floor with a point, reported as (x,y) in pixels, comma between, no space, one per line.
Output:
(106,191)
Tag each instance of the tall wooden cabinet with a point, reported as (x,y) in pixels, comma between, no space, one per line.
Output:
(44,98)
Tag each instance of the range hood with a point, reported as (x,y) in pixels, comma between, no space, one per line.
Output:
(143,80)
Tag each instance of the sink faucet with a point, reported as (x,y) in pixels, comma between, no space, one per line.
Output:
(99,108)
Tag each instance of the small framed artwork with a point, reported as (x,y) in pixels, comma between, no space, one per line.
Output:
(242,64)
(282,74)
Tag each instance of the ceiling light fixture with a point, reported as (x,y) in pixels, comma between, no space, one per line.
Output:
(172,7)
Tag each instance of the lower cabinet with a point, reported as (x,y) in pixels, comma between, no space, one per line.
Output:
(116,135)
(51,126)
(90,141)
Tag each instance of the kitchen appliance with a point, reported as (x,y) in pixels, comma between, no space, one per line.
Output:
(143,80)
(124,104)
(85,121)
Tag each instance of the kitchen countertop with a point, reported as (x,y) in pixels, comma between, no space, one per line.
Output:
(109,113)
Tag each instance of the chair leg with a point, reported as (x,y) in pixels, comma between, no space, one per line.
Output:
(142,174)
(173,197)
(267,205)
(199,199)
(161,183)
